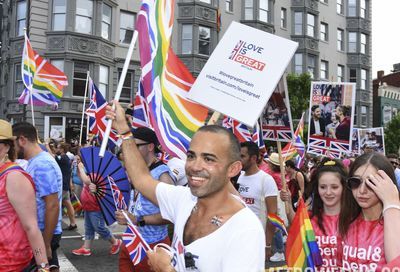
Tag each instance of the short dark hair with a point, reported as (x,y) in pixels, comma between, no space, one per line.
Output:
(233,141)
(252,148)
(27,130)
(313,108)
(392,156)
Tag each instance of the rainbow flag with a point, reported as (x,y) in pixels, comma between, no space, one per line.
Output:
(296,149)
(277,222)
(39,76)
(302,250)
(166,80)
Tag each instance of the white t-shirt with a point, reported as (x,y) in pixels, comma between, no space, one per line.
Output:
(253,188)
(238,245)
(177,167)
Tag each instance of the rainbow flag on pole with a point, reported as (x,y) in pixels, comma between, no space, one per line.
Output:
(296,149)
(39,76)
(277,222)
(302,250)
(166,80)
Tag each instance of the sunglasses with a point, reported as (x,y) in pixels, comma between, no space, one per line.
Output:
(142,144)
(355,182)
(394,163)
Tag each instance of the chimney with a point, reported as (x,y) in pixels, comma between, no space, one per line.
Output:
(380,73)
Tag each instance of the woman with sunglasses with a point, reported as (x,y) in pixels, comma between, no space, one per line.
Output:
(371,197)
(328,182)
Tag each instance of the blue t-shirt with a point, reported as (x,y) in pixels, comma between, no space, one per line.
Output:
(48,180)
(143,206)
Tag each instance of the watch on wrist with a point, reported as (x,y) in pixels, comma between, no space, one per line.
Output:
(141,222)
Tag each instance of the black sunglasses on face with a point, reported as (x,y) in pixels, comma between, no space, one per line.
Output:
(142,144)
(394,163)
(355,182)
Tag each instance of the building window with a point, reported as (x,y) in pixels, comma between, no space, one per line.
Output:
(324,69)
(59,64)
(106,22)
(353,75)
(264,11)
(339,6)
(103,80)
(298,23)
(340,73)
(127,87)
(355,115)
(21,18)
(204,40)
(59,11)
(324,32)
(352,8)
(363,43)
(19,85)
(229,5)
(310,25)
(283,18)
(127,26)
(340,39)
(79,81)
(84,14)
(363,9)
(363,79)
(187,36)
(311,65)
(298,63)
(206,1)
(248,9)
(352,42)
(364,110)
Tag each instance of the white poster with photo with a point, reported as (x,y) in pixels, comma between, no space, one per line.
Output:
(331,118)
(371,139)
(57,132)
(242,72)
(277,122)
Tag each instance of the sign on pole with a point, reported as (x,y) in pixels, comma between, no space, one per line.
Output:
(371,139)
(331,118)
(242,72)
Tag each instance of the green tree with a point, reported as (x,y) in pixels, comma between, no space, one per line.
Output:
(392,136)
(299,93)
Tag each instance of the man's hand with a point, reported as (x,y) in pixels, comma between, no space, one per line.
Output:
(117,115)
(159,260)
(119,216)
(92,187)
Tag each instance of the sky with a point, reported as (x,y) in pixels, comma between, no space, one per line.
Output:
(385,35)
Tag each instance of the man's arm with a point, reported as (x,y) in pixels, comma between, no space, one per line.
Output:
(51,217)
(135,165)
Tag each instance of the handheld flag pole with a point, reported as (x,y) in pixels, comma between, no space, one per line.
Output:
(118,92)
(30,78)
(83,108)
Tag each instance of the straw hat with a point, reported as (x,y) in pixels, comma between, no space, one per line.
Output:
(5,131)
(274,159)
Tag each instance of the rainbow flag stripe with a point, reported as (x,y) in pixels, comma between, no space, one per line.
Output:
(277,222)
(10,167)
(302,250)
(296,149)
(166,80)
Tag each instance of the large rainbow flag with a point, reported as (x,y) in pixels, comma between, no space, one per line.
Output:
(296,149)
(39,76)
(166,80)
(302,250)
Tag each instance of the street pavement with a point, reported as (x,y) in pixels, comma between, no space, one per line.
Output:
(101,260)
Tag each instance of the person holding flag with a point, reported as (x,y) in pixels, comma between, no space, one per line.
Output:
(143,213)
(94,220)
(328,181)
(213,230)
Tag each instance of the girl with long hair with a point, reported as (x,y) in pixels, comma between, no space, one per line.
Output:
(328,182)
(369,221)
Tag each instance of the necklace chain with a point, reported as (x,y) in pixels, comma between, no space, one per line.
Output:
(215,220)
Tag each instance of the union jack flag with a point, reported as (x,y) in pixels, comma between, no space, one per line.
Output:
(257,136)
(277,133)
(241,131)
(328,147)
(141,116)
(119,200)
(97,115)
(135,244)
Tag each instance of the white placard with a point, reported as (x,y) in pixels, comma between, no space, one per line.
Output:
(242,72)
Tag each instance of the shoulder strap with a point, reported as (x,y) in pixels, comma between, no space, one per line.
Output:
(7,167)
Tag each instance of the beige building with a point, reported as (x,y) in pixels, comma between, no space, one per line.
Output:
(77,36)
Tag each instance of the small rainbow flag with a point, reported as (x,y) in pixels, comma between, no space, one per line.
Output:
(277,222)
(302,250)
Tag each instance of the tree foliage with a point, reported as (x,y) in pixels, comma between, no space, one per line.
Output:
(392,136)
(299,93)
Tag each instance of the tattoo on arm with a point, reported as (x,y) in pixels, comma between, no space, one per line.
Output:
(37,252)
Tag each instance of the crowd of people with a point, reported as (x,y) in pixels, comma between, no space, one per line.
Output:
(211,210)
